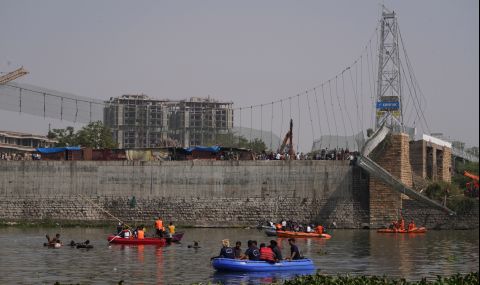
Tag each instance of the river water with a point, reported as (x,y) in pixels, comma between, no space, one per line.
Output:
(24,259)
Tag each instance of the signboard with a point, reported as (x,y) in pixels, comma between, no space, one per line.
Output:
(388,105)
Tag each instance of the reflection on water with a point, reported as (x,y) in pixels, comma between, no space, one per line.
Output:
(230,278)
(24,259)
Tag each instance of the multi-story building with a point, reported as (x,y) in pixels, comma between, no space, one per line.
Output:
(138,121)
(13,142)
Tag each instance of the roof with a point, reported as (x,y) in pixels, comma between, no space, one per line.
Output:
(56,149)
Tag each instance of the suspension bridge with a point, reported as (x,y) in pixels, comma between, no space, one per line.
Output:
(374,98)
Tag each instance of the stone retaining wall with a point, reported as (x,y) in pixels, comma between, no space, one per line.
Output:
(197,193)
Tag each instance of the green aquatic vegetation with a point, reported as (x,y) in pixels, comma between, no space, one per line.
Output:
(468,279)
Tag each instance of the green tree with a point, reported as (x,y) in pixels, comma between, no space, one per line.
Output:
(65,137)
(95,135)
(257,146)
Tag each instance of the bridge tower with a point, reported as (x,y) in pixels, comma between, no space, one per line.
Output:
(389,87)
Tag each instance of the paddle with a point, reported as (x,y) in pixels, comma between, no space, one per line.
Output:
(106,212)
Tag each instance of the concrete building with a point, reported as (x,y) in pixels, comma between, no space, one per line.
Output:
(138,121)
(15,142)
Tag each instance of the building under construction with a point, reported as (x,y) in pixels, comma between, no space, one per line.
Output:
(138,121)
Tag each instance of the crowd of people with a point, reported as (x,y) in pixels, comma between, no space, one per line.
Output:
(293,226)
(125,231)
(323,154)
(400,225)
(19,156)
(271,253)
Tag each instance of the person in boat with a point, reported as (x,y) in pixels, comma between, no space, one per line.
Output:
(119,228)
(411,226)
(159,227)
(401,223)
(266,254)
(238,250)
(276,250)
(252,252)
(294,252)
(53,241)
(126,233)
(278,226)
(171,228)
(319,229)
(140,232)
(226,251)
(284,225)
(309,229)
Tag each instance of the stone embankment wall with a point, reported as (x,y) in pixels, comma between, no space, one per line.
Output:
(434,219)
(196,193)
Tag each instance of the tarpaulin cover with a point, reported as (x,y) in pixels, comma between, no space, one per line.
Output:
(213,149)
(56,149)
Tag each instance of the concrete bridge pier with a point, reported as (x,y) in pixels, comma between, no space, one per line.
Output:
(393,154)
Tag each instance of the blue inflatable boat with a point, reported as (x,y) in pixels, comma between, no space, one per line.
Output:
(238,265)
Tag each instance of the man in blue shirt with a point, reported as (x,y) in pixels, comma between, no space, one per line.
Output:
(294,252)
(252,251)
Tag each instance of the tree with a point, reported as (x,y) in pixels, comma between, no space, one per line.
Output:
(65,137)
(94,135)
(257,146)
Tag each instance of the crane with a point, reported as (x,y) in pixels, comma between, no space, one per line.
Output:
(288,139)
(13,75)
(472,187)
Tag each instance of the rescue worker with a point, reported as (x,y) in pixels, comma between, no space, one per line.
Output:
(252,252)
(159,227)
(171,228)
(278,227)
(401,224)
(140,233)
(411,226)
(276,250)
(266,254)
(238,250)
(319,229)
(294,252)
(226,251)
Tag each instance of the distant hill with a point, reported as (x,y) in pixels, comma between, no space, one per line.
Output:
(266,136)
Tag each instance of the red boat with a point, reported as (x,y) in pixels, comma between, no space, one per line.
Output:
(291,234)
(135,241)
(148,240)
(421,230)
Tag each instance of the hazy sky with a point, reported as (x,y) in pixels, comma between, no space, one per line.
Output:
(247,52)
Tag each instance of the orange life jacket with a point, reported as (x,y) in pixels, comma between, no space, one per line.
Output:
(158,224)
(266,253)
(411,226)
(278,226)
(140,234)
(319,230)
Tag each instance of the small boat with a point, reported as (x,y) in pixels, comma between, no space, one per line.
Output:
(420,230)
(176,237)
(291,234)
(238,265)
(271,232)
(134,241)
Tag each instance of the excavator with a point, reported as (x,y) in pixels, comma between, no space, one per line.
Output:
(288,141)
(471,187)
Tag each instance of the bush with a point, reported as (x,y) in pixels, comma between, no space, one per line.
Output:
(468,279)
(456,200)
